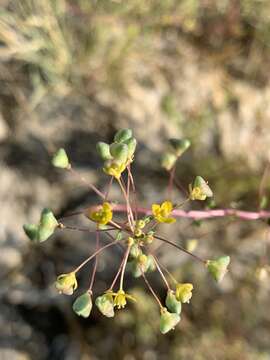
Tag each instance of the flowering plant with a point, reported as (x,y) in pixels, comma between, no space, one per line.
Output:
(135,234)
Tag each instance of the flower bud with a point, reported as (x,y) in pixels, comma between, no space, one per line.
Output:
(60,159)
(135,251)
(151,265)
(105,304)
(168,321)
(135,269)
(140,224)
(123,135)
(82,306)
(172,303)
(218,268)
(119,152)
(66,283)
(179,146)
(168,160)
(103,150)
(149,237)
(138,232)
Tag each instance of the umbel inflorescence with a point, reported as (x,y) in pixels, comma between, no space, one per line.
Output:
(135,233)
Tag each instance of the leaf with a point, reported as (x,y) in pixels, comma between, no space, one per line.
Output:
(60,159)
(82,306)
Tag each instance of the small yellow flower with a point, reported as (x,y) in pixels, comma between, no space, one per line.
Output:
(183,292)
(197,194)
(120,299)
(200,189)
(114,169)
(103,215)
(66,283)
(162,212)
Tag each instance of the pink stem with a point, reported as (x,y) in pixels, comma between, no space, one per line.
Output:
(204,214)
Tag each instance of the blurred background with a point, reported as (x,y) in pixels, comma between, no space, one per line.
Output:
(71,74)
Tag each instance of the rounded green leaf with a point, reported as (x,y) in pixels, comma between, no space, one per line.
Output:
(168,321)
(82,306)
(123,135)
(151,265)
(119,152)
(31,230)
(218,268)
(131,144)
(172,304)
(44,233)
(168,160)
(135,251)
(103,150)
(105,305)
(60,159)
(48,219)
(47,225)
(179,146)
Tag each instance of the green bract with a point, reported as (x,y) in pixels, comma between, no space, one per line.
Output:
(103,150)
(82,306)
(105,304)
(44,229)
(179,146)
(31,230)
(168,160)
(119,152)
(131,144)
(123,135)
(218,268)
(60,159)
(168,321)
(135,251)
(202,184)
(172,304)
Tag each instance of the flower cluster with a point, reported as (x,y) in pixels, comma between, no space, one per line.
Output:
(135,234)
(118,155)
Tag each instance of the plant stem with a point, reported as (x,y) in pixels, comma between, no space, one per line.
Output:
(179,247)
(96,262)
(161,273)
(151,289)
(119,270)
(128,208)
(91,186)
(93,255)
(123,268)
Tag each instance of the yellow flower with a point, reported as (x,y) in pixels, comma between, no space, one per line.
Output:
(162,212)
(200,189)
(183,292)
(66,283)
(197,194)
(103,215)
(120,299)
(114,169)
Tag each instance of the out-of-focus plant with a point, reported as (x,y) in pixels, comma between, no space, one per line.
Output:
(135,233)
